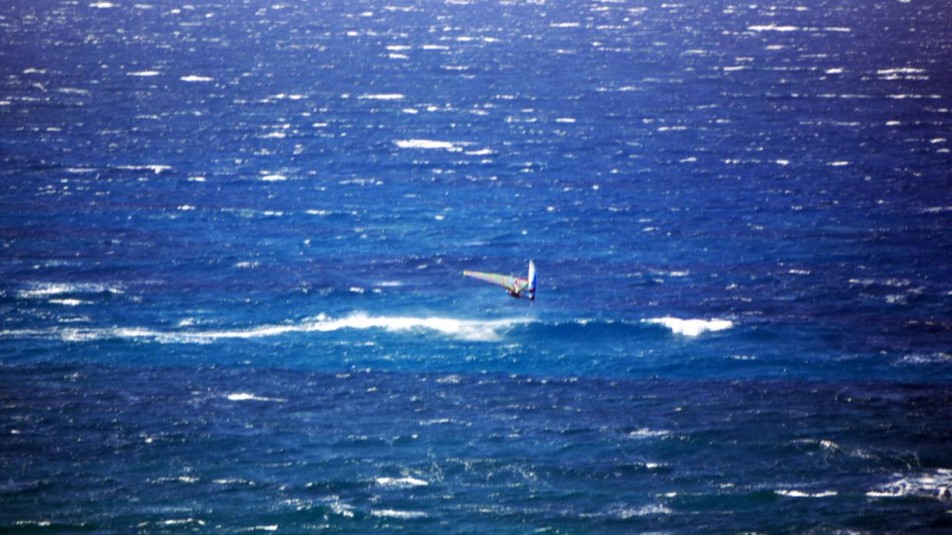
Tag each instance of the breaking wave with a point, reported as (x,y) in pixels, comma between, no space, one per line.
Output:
(691,327)
(469,330)
(935,485)
(472,330)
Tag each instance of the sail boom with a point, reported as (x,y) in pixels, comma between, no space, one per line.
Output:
(516,286)
(506,281)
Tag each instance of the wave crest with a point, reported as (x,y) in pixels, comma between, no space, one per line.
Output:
(691,327)
(461,329)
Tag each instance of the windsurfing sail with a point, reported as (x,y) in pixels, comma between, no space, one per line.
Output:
(516,287)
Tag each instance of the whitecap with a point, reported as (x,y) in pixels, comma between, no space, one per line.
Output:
(339,507)
(743,357)
(791,493)
(143,74)
(196,78)
(244,396)
(182,522)
(49,289)
(68,302)
(772,28)
(468,330)
(427,144)
(435,421)
(401,482)
(900,70)
(626,513)
(936,485)
(691,327)
(37,523)
(155,168)
(450,380)
(645,432)
(927,358)
(392,513)
(189,480)
(381,96)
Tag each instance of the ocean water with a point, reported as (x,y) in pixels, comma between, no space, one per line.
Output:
(232,237)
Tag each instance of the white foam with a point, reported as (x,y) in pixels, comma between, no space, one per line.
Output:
(468,330)
(450,380)
(155,168)
(401,482)
(436,421)
(244,396)
(102,5)
(772,28)
(381,96)
(182,522)
(38,523)
(49,289)
(644,432)
(927,358)
(339,507)
(196,78)
(790,493)
(68,302)
(392,513)
(144,74)
(937,485)
(900,70)
(427,144)
(691,327)
(189,480)
(626,513)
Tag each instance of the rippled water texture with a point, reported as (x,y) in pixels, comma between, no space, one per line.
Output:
(232,237)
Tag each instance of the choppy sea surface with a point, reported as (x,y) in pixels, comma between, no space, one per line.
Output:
(232,237)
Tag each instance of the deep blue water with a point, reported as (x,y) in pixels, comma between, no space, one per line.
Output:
(233,233)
